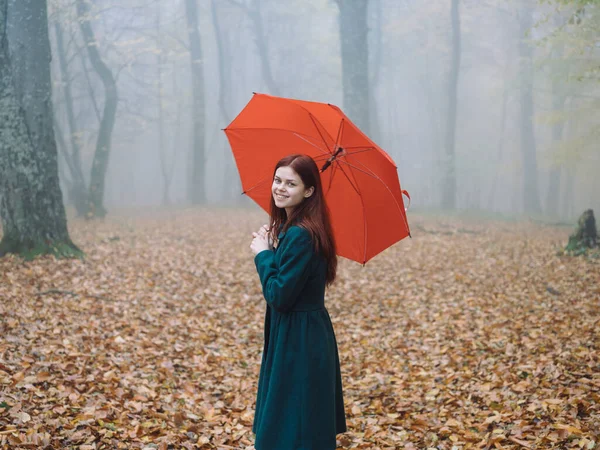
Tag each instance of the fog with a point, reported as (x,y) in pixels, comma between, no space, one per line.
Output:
(293,49)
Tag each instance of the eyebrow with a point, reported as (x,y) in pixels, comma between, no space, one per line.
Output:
(285,179)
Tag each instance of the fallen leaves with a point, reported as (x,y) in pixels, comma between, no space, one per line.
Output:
(449,340)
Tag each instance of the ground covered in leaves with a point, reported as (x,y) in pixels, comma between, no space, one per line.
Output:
(472,334)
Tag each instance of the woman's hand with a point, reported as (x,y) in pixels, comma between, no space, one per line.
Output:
(262,240)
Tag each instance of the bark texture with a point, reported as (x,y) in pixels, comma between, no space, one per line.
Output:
(31,206)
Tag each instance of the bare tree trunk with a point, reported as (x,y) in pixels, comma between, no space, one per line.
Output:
(78,190)
(449,184)
(355,61)
(223,55)
(177,138)
(500,146)
(531,196)
(553,194)
(558,105)
(31,205)
(196,188)
(255,16)
(433,176)
(102,153)
(375,77)
(165,169)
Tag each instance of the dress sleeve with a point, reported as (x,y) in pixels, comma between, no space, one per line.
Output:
(282,285)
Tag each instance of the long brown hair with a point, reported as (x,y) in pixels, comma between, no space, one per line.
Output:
(312,214)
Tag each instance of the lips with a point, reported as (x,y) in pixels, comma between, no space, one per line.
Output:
(280,197)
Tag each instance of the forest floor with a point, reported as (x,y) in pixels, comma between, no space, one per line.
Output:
(473,334)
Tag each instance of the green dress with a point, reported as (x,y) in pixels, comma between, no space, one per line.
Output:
(299,404)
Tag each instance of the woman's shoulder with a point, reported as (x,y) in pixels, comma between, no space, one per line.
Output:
(299,232)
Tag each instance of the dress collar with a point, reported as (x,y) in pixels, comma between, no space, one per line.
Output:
(281,233)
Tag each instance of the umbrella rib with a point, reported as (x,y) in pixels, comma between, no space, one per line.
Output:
(357,168)
(366,149)
(261,128)
(350,181)
(325,152)
(361,202)
(282,129)
(333,169)
(339,134)
(256,185)
(311,117)
(314,121)
(388,189)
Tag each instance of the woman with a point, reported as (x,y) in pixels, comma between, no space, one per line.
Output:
(299,405)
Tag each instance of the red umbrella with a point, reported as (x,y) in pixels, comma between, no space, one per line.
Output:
(360,180)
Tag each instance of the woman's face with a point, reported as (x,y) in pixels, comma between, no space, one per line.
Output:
(288,189)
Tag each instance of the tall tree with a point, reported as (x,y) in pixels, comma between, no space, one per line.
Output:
(355,60)
(166,166)
(531,196)
(196,189)
(224,65)
(73,158)
(449,184)
(31,206)
(377,46)
(111,98)
(558,105)
(253,11)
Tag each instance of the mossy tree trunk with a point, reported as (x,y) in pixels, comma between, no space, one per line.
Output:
(31,206)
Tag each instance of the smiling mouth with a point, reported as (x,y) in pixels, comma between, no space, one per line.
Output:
(280,197)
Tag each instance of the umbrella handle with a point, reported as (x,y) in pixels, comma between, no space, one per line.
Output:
(331,159)
(407,194)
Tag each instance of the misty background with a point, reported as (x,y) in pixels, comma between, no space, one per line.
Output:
(500,90)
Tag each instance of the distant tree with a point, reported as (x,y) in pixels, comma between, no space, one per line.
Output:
(253,11)
(77,187)
(531,195)
(231,180)
(355,60)
(196,189)
(95,200)
(449,184)
(572,61)
(31,206)
(167,164)
(375,78)
(558,105)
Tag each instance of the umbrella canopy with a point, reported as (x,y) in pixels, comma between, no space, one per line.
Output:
(360,180)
